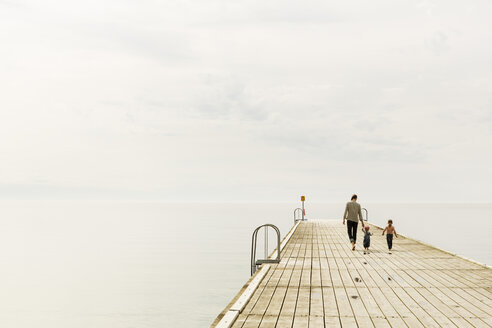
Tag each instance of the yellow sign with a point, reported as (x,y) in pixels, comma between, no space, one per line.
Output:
(303,198)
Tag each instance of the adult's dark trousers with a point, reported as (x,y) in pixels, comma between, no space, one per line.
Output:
(389,240)
(352,230)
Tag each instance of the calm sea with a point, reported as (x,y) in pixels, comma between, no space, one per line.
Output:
(138,264)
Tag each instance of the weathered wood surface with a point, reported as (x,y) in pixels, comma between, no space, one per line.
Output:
(321,282)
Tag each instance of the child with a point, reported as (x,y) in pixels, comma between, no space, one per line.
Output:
(390,230)
(367,239)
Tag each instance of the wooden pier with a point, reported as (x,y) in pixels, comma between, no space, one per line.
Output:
(321,282)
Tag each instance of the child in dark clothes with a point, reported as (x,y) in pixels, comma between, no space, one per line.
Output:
(367,239)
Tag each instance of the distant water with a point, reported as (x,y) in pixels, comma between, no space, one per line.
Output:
(129,264)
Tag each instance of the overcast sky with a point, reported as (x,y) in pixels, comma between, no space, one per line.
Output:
(246,100)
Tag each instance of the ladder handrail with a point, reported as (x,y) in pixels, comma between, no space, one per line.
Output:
(367,214)
(254,237)
(295,211)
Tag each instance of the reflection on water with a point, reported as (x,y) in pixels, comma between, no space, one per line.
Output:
(123,264)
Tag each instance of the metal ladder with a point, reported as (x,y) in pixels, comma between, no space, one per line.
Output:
(254,262)
(297,215)
(367,214)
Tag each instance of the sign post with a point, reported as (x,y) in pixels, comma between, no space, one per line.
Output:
(303,198)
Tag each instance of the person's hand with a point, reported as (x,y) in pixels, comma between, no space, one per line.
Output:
(344,221)
(382,234)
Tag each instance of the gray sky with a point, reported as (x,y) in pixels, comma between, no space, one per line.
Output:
(246,100)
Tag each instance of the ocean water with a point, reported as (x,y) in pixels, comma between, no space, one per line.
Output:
(143,264)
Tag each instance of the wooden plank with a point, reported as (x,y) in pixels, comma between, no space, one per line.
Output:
(316,305)
(370,303)
(276,302)
(383,303)
(438,303)
(289,304)
(403,311)
(302,306)
(348,322)
(478,323)
(316,321)
(268,321)
(356,303)
(332,322)
(285,321)
(380,323)
(429,308)
(263,301)
(468,304)
(252,321)
(301,322)
(343,303)
(397,322)
(481,294)
(479,302)
(364,321)
(330,306)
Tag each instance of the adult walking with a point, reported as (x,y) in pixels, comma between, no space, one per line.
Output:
(353,214)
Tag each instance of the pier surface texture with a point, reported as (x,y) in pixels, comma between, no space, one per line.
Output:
(321,282)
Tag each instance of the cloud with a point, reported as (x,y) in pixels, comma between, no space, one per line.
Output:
(213,99)
(344,144)
(428,6)
(438,43)
(228,98)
